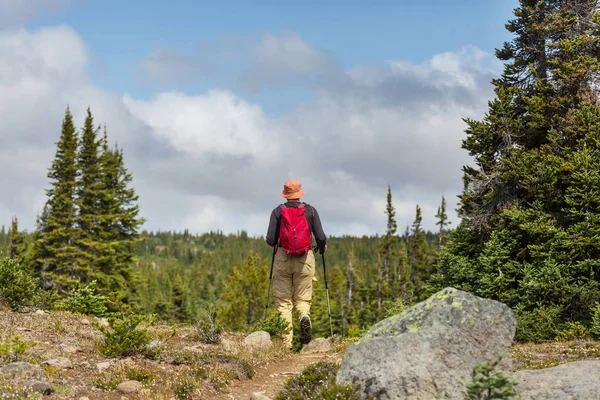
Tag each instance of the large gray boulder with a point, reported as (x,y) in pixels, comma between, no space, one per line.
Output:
(429,350)
(574,381)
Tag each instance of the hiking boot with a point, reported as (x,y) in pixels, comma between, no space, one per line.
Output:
(305,329)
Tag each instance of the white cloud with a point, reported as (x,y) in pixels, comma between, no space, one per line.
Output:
(216,161)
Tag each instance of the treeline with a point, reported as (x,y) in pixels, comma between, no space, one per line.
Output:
(178,274)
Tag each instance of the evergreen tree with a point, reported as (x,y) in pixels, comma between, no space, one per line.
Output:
(54,246)
(419,261)
(387,253)
(529,206)
(17,242)
(442,220)
(89,194)
(243,297)
(118,224)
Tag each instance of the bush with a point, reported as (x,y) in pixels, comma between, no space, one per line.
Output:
(572,330)
(488,384)
(207,328)
(274,324)
(123,337)
(317,381)
(13,350)
(395,307)
(17,287)
(84,299)
(595,328)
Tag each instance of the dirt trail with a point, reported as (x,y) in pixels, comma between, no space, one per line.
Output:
(269,379)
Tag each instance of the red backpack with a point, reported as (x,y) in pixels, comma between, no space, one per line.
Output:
(294,233)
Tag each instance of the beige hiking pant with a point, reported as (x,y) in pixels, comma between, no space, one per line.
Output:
(293,286)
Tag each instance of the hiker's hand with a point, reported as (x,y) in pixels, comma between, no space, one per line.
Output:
(323,249)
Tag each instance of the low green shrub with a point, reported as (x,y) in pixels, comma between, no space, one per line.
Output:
(207,328)
(490,384)
(18,288)
(274,324)
(85,299)
(13,350)
(572,330)
(125,337)
(317,381)
(595,328)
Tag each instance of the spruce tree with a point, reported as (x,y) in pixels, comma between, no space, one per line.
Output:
(17,242)
(419,261)
(89,194)
(55,253)
(529,205)
(387,254)
(118,225)
(442,221)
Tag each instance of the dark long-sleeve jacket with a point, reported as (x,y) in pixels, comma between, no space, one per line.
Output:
(312,217)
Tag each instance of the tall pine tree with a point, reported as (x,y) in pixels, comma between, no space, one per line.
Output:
(89,194)
(56,255)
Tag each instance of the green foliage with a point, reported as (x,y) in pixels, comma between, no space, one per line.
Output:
(595,328)
(572,330)
(317,381)
(242,299)
(127,336)
(530,207)
(13,350)
(109,380)
(274,324)
(17,287)
(85,299)
(88,229)
(207,328)
(396,307)
(17,242)
(489,384)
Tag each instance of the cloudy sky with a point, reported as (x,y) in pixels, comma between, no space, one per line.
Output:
(217,104)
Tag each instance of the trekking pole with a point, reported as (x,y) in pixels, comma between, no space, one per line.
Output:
(270,278)
(327,291)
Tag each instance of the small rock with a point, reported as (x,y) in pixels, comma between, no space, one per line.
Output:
(259,396)
(129,387)
(319,345)
(18,367)
(104,322)
(228,345)
(59,363)
(102,366)
(40,386)
(40,312)
(83,398)
(69,348)
(258,340)
(85,321)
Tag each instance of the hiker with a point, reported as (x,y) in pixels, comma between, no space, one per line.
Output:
(294,262)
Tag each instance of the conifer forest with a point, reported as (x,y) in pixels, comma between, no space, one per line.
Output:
(528,234)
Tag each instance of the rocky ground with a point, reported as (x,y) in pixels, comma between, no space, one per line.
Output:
(56,356)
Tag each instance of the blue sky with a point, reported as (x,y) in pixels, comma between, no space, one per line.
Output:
(121,33)
(217,104)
